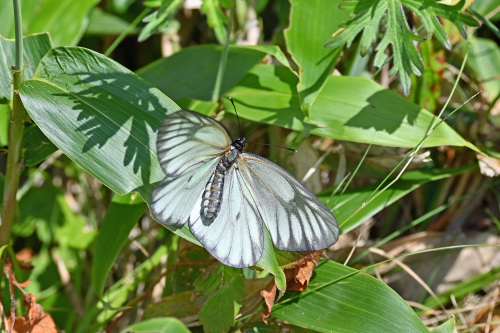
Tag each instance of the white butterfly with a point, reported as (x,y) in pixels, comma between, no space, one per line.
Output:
(228,196)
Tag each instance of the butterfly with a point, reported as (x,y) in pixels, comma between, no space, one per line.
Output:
(228,196)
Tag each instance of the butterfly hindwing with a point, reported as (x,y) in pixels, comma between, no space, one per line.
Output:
(295,218)
(235,236)
(174,194)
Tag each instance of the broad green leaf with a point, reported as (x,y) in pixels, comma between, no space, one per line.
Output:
(105,23)
(484,59)
(36,146)
(447,327)
(203,107)
(65,20)
(354,198)
(99,114)
(348,108)
(305,39)
(35,47)
(123,213)
(224,289)
(191,72)
(216,17)
(159,18)
(339,299)
(158,325)
(406,59)
(357,109)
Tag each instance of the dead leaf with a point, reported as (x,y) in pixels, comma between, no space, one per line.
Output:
(489,166)
(298,274)
(24,258)
(268,294)
(35,311)
(36,322)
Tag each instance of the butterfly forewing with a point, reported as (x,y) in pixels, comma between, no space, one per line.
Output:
(295,218)
(189,145)
(235,236)
(187,138)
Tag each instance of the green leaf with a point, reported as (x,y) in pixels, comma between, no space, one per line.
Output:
(158,325)
(160,18)
(105,23)
(354,198)
(123,213)
(447,327)
(216,17)
(483,58)
(406,59)
(64,20)
(36,146)
(348,108)
(269,262)
(305,38)
(99,114)
(191,72)
(340,299)
(35,47)
(224,289)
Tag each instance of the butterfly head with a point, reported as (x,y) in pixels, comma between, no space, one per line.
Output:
(239,143)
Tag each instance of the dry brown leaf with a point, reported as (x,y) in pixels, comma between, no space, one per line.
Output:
(298,274)
(24,258)
(44,325)
(268,294)
(489,166)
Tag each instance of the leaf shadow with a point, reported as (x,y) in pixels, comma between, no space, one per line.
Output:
(381,115)
(113,113)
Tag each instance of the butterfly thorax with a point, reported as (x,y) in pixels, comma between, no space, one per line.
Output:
(212,196)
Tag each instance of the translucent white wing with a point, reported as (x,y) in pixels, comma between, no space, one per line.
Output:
(295,218)
(173,197)
(187,138)
(235,236)
(189,145)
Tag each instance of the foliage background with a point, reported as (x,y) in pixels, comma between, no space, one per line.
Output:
(354,109)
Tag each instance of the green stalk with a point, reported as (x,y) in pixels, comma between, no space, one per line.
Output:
(223,60)
(15,155)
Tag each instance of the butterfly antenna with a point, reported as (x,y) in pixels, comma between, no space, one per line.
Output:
(268,144)
(237,117)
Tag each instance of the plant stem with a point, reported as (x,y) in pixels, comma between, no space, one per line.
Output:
(14,158)
(223,60)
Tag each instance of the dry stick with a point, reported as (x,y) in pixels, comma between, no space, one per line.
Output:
(13,302)
(490,313)
(460,314)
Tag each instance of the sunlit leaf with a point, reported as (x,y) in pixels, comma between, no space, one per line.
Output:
(339,299)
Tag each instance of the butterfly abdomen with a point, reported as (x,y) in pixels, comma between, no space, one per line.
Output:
(212,197)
